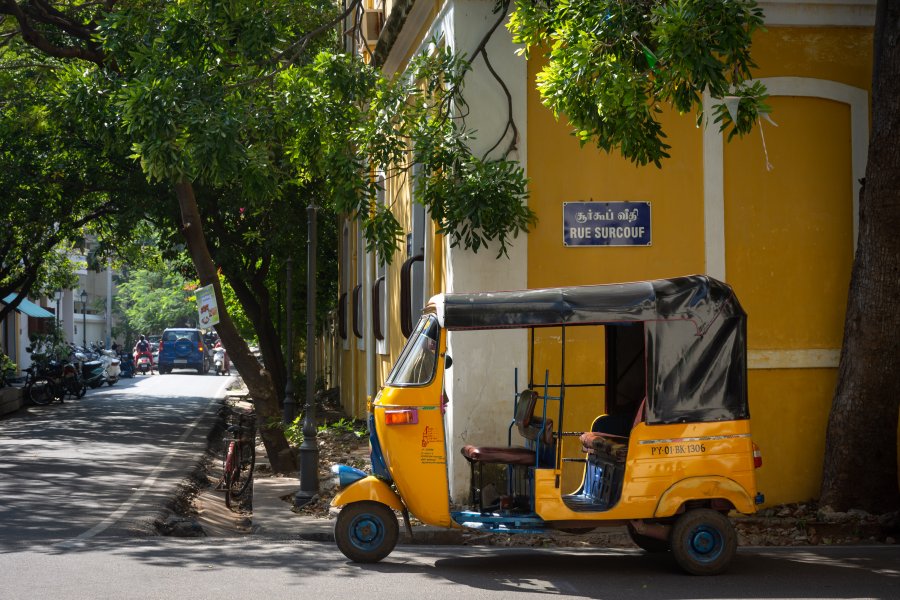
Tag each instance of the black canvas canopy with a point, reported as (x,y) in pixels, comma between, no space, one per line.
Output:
(695,335)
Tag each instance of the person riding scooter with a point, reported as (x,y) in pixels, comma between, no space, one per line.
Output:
(142,348)
(220,358)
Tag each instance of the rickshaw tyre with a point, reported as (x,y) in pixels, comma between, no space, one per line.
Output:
(354,534)
(646,543)
(703,542)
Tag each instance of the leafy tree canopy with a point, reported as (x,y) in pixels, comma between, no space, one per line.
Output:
(154,300)
(612,65)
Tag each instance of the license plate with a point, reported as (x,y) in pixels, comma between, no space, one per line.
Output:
(180,361)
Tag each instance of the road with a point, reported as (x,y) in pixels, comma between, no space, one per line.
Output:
(103,464)
(255,568)
(80,483)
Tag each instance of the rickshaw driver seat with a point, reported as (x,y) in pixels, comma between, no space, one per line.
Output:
(530,427)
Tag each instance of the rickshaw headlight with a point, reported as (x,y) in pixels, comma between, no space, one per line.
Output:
(345,475)
(406,416)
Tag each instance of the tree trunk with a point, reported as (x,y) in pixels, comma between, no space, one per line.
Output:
(257,379)
(254,297)
(861,445)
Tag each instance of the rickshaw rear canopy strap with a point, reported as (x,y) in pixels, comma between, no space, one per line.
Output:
(696,335)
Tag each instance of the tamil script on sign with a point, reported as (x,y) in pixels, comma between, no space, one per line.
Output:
(606,223)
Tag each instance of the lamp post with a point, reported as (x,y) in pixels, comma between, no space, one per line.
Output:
(309,449)
(289,403)
(58,295)
(84,319)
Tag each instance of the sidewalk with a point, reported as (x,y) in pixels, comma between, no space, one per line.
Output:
(274,518)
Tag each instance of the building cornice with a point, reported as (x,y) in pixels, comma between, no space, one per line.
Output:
(820,13)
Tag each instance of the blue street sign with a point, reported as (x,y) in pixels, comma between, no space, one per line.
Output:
(606,223)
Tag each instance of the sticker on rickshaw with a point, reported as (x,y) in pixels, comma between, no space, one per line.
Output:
(430,435)
(432,447)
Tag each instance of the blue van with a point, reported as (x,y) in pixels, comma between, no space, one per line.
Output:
(183,348)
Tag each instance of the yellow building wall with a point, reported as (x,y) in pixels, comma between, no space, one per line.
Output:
(353,360)
(788,232)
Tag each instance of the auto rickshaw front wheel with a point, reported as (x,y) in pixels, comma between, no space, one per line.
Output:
(366,531)
(703,541)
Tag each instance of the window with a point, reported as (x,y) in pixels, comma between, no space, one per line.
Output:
(342,316)
(379,288)
(358,314)
(412,272)
(417,362)
(345,286)
(407,294)
(357,311)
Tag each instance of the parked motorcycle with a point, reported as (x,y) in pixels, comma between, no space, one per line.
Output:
(71,380)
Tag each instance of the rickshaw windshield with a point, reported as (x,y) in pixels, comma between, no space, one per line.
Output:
(417,362)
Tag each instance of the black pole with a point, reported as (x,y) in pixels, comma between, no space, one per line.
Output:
(289,404)
(309,449)
(84,320)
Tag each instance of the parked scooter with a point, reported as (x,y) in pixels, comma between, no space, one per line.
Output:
(110,361)
(92,371)
(220,359)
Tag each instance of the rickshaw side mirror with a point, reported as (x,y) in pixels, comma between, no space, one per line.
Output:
(448,362)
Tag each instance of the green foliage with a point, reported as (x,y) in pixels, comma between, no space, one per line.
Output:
(414,129)
(294,431)
(49,346)
(60,180)
(7,367)
(151,301)
(344,425)
(612,65)
(236,311)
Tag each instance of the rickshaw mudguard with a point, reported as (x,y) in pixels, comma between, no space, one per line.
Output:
(368,488)
(704,488)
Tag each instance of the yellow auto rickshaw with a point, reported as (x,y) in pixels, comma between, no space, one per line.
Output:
(669,453)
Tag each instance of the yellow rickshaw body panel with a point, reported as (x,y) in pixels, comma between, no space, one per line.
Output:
(666,466)
(416,454)
(368,488)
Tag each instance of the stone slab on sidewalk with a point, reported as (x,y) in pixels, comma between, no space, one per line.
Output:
(10,400)
(273,517)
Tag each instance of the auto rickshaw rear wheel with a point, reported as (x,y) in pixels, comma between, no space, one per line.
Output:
(703,541)
(366,531)
(646,543)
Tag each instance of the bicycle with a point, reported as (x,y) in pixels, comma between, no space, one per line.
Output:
(40,387)
(239,459)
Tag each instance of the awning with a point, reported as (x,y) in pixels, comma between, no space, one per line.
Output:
(29,308)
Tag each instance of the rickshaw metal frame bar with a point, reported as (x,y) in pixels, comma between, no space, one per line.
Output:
(562,402)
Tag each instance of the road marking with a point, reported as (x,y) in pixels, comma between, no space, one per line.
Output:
(146,485)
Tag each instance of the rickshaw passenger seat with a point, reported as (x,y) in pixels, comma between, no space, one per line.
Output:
(609,444)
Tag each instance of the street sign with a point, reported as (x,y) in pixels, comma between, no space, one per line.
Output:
(606,224)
